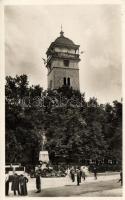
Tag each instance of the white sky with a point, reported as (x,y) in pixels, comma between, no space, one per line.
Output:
(29,30)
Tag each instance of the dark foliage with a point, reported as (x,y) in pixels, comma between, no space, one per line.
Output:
(76,130)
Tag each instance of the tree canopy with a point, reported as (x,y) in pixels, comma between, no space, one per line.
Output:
(75,129)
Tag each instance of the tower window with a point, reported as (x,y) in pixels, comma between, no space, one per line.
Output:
(64,80)
(68,81)
(66,62)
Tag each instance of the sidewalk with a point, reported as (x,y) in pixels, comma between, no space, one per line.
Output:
(62,181)
(62,185)
(92,189)
(110,193)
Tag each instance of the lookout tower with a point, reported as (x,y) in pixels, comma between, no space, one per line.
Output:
(62,63)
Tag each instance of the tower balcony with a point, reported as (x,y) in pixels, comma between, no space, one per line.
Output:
(64,55)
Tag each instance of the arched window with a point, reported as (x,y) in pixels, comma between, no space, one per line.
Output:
(68,80)
(64,80)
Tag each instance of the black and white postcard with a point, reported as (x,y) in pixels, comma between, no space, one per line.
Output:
(62,126)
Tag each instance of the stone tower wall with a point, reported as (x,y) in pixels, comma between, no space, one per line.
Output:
(59,63)
(57,76)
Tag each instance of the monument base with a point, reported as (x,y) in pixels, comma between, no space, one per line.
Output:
(44,156)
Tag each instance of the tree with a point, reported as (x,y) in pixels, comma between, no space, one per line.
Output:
(76,129)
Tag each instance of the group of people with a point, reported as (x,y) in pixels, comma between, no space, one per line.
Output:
(79,174)
(19,182)
(76,174)
(18,186)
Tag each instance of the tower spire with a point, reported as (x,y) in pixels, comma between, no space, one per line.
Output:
(61,32)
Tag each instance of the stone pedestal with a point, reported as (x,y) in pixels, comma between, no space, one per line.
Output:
(44,156)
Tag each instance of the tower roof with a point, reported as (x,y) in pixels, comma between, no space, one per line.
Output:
(63,42)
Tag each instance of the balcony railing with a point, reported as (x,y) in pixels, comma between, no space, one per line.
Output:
(64,55)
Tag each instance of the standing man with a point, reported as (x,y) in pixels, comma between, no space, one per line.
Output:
(23,185)
(7,184)
(38,182)
(15,184)
(80,174)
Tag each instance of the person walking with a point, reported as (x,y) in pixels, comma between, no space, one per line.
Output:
(83,175)
(121,178)
(15,184)
(83,172)
(68,177)
(38,182)
(72,172)
(7,184)
(78,176)
(95,172)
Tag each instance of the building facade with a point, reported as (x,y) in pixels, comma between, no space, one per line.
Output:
(62,63)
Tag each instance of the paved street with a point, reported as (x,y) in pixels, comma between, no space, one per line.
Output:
(100,188)
(105,185)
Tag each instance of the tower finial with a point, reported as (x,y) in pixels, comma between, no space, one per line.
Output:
(61,32)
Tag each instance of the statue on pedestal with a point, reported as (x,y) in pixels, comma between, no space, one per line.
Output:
(44,140)
(43,154)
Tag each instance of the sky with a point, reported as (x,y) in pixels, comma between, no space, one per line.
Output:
(29,30)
